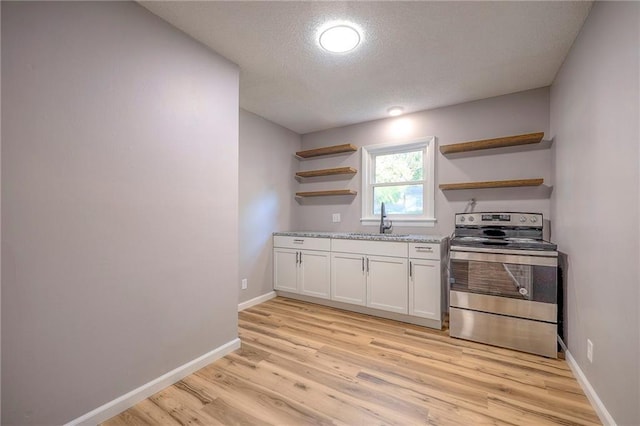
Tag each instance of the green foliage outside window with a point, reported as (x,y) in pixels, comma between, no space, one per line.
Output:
(403,169)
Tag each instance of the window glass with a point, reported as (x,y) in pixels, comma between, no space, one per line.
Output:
(398,199)
(399,167)
(402,176)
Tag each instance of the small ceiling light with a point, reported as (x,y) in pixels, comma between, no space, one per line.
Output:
(339,39)
(395,111)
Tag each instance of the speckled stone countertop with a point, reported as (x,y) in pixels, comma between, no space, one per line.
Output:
(405,238)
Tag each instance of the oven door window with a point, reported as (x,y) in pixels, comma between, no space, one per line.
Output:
(525,282)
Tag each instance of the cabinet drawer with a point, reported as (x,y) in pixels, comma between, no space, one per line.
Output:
(302,243)
(374,248)
(424,251)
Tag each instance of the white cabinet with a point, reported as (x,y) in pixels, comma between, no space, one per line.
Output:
(297,269)
(348,278)
(387,284)
(424,288)
(314,278)
(392,279)
(285,269)
(362,277)
(425,281)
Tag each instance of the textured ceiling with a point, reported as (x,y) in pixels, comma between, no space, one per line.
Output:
(419,55)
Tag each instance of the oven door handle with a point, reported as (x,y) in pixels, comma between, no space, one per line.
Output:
(504,258)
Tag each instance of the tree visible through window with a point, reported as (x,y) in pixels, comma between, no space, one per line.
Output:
(398,182)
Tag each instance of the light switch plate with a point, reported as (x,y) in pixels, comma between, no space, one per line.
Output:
(336,217)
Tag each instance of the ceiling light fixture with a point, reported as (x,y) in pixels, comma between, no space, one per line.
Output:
(339,39)
(395,111)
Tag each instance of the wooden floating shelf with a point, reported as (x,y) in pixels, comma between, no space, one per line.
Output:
(326,193)
(329,150)
(508,141)
(327,172)
(492,184)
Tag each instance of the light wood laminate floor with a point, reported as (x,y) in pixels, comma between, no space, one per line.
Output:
(302,363)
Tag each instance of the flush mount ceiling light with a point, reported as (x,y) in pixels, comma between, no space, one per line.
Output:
(339,38)
(395,111)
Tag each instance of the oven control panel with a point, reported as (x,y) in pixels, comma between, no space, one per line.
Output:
(499,219)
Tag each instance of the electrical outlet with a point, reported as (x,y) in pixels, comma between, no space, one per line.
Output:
(336,217)
(244,283)
(589,350)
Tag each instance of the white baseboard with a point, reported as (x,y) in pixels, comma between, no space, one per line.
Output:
(591,394)
(118,405)
(256,301)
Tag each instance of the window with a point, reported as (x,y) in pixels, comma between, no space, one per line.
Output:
(400,175)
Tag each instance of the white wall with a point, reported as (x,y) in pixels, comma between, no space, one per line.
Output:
(267,187)
(518,113)
(594,118)
(119,204)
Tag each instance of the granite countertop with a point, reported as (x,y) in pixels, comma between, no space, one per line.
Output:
(405,238)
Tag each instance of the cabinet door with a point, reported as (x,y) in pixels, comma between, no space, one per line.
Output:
(285,270)
(387,286)
(348,279)
(314,276)
(425,289)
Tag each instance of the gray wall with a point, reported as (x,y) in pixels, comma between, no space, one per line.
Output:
(267,187)
(513,114)
(119,204)
(594,117)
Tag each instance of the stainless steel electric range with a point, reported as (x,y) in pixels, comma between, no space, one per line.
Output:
(503,282)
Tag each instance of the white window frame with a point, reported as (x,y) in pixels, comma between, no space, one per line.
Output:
(427,219)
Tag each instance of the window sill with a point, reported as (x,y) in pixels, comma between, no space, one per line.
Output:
(429,222)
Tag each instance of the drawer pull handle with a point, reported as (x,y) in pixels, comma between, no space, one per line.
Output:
(424,248)
(298,241)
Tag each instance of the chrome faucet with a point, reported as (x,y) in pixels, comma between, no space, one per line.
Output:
(384,226)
